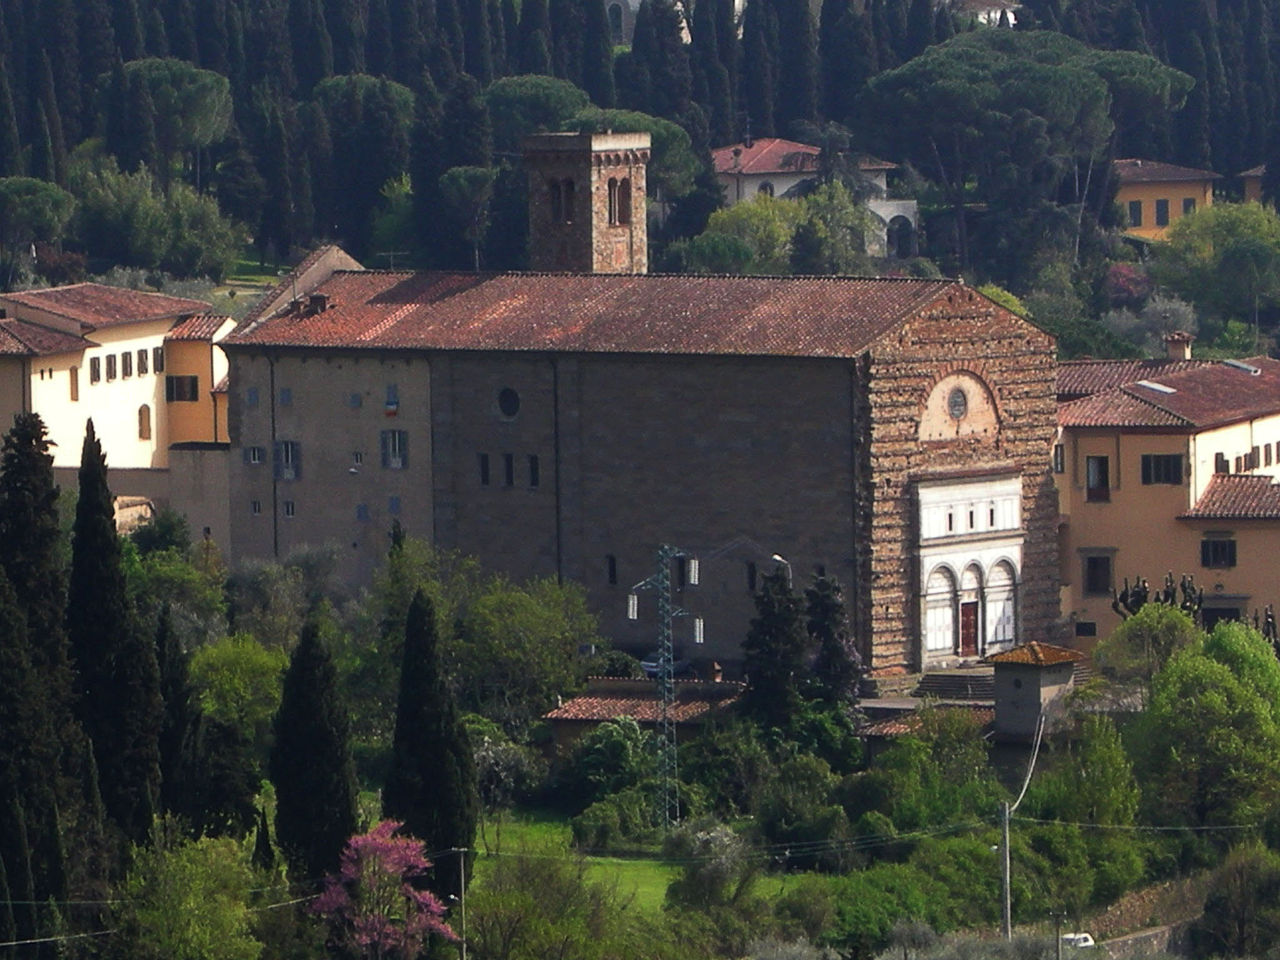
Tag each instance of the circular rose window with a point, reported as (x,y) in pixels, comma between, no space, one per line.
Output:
(508,402)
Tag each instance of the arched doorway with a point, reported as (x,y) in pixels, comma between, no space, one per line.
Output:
(900,238)
(1002,606)
(970,610)
(940,613)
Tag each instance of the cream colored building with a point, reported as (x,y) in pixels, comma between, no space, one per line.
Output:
(143,366)
(1153,196)
(1168,467)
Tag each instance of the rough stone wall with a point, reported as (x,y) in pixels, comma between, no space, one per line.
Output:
(963,332)
(556,244)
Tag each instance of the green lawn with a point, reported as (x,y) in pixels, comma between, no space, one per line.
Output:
(645,879)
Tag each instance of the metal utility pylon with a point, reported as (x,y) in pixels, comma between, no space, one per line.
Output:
(668,754)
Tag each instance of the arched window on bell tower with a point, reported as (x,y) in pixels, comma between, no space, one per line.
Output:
(613,200)
(624,200)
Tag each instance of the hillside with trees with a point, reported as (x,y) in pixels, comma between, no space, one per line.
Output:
(163,134)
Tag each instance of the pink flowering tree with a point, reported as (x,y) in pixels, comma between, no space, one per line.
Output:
(374,904)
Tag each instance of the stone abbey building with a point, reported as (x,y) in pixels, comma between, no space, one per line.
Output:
(894,433)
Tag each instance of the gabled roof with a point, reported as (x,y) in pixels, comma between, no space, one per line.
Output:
(96,305)
(909,723)
(773,155)
(1080,378)
(1259,171)
(1196,398)
(21,339)
(1037,654)
(1237,497)
(199,326)
(608,698)
(1133,170)
(599,313)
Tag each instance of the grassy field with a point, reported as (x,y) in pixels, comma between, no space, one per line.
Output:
(644,879)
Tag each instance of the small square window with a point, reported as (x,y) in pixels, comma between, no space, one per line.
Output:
(508,470)
(1218,552)
(1162,213)
(535,473)
(1220,464)
(1059,459)
(1097,479)
(255,507)
(126,364)
(483,460)
(393,506)
(255,454)
(111,366)
(1086,628)
(1135,213)
(1161,468)
(362,511)
(182,389)
(95,369)
(395,449)
(289,508)
(286,396)
(357,458)
(1188,206)
(1097,575)
(75,383)
(251,397)
(157,359)
(142,362)
(355,401)
(611,569)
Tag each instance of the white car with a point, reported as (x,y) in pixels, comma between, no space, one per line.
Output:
(1079,941)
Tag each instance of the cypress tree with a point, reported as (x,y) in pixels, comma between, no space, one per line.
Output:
(837,665)
(919,27)
(127,30)
(212,36)
(511,31)
(312,46)
(180,24)
(275,231)
(427,162)
(568,18)
(498,41)
(42,162)
(347,26)
(118,681)
(264,856)
(773,653)
(378,49)
(944,24)
(311,764)
(10,141)
(175,737)
(61,48)
(407,38)
(534,40)
(759,65)
(16,853)
(8,929)
(432,782)
(477,45)
(597,56)
(466,130)
(97,52)
(49,101)
(157,36)
(449,32)
(711,79)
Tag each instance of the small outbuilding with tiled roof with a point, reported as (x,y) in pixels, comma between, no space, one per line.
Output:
(1029,679)
(608,698)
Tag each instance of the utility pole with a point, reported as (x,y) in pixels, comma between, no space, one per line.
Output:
(462,899)
(1006,811)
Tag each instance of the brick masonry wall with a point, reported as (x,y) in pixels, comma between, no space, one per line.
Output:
(965,332)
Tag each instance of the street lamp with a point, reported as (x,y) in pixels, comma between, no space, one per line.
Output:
(783,561)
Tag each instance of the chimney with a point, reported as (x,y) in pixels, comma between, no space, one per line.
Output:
(1177,345)
(587,202)
(317,303)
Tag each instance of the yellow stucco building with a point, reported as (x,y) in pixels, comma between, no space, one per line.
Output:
(1153,195)
(1168,466)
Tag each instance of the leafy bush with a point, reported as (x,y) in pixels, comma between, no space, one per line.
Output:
(613,757)
(624,818)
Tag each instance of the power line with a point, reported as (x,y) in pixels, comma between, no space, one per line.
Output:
(57,939)
(1140,827)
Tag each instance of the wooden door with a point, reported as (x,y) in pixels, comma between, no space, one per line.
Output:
(969,629)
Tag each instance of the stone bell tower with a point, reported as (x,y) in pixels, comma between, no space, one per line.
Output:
(587,202)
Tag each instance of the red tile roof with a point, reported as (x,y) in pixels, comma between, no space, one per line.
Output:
(608,698)
(1132,170)
(1237,497)
(751,316)
(909,723)
(775,155)
(284,283)
(199,326)
(1037,654)
(1080,378)
(223,385)
(21,339)
(1197,398)
(96,305)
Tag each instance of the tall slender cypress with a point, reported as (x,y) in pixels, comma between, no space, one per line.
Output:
(432,783)
(759,65)
(311,764)
(597,56)
(118,681)
(477,45)
(10,142)
(534,41)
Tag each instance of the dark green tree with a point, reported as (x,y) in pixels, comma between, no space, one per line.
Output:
(759,66)
(597,56)
(10,143)
(432,783)
(175,738)
(797,77)
(407,40)
(311,764)
(569,19)
(773,653)
(117,679)
(661,52)
(477,43)
(837,665)
(919,27)
(711,81)
(533,43)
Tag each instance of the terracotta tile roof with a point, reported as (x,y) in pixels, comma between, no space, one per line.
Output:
(1259,171)
(1037,654)
(96,305)
(283,285)
(1132,170)
(750,316)
(199,326)
(775,155)
(1196,398)
(607,698)
(1080,378)
(1237,497)
(21,339)
(223,385)
(909,723)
